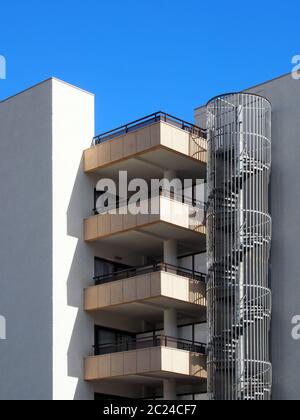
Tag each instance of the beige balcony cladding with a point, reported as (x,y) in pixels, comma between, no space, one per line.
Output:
(153,287)
(159,135)
(102,225)
(171,212)
(158,362)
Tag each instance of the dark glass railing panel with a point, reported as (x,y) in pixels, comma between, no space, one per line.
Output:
(138,271)
(148,342)
(150,119)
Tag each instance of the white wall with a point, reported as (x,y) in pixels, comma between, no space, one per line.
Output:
(73,260)
(284,94)
(26,244)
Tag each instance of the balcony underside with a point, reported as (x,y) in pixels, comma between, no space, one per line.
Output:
(151,310)
(150,235)
(150,364)
(150,380)
(148,295)
(152,164)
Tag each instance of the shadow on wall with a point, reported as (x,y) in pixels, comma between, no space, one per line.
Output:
(198,367)
(79,278)
(197,293)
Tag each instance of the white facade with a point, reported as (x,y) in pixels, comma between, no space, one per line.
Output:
(44,263)
(72,129)
(26,244)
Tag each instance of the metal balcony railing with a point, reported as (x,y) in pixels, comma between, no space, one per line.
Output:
(148,342)
(139,271)
(150,119)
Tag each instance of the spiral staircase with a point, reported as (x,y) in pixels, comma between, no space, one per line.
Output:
(239,230)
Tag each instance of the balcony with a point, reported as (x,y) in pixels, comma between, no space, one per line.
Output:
(144,146)
(153,357)
(149,290)
(183,222)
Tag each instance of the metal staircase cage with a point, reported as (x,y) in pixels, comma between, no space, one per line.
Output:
(239,239)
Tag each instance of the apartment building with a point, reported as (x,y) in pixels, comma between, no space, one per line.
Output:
(172,304)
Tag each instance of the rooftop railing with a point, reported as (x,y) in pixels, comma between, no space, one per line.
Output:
(150,119)
(152,340)
(153,268)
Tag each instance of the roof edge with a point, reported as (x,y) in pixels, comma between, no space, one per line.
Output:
(43,82)
(251,87)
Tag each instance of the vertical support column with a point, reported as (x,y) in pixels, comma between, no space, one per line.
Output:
(170,252)
(169,175)
(240,302)
(170,323)
(170,390)
(170,327)
(170,180)
(170,315)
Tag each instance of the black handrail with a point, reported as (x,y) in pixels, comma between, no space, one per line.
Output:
(148,342)
(149,119)
(138,271)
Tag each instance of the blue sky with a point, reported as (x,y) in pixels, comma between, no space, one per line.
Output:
(139,56)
